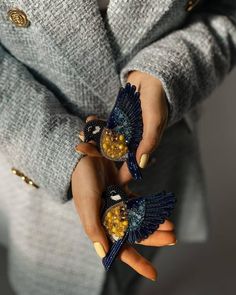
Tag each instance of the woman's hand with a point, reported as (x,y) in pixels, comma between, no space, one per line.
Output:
(155,114)
(92,174)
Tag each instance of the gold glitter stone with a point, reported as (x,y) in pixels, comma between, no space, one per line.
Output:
(116,221)
(104,146)
(121,137)
(113,145)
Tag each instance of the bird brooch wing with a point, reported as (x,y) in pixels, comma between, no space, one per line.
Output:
(125,125)
(132,219)
(145,214)
(126,116)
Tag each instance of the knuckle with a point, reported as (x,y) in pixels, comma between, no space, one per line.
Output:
(152,141)
(160,120)
(149,142)
(160,125)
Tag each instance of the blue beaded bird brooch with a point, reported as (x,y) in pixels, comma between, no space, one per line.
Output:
(132,219)
(118,138)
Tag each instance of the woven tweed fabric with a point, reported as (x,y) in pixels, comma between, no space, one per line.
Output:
(70,62)
(49,252)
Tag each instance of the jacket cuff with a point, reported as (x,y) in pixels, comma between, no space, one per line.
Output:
(189,62)
(69,193)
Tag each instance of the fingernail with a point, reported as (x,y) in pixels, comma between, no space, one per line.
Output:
(154,280)
(172,244)
(99,249)
(81,136)
(78,151)
(144,160)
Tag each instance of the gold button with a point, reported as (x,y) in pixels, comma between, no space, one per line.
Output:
(24,178)
(18,17)
(30,182)
(17,172)
(191,4)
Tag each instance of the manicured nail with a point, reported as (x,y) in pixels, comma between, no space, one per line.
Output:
(78,151)
(81,136)
(172,244)
(144,160)
(154,280)
(99,249)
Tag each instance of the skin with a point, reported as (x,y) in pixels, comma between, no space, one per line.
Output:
(93,173)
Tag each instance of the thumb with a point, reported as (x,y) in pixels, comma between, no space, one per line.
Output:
(91,222)
(151,138)
(155,115)
(96,233)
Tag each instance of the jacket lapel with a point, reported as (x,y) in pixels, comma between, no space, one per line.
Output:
(77,28)
(94,47)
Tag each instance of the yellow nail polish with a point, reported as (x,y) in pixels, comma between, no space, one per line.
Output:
(99,249)
(144,160)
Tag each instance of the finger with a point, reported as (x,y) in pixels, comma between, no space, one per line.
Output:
(97,235)
(140,264)
(90,220)
(87,190)
(130,193)
(88,149)
(147,144)
(154,111)
(159,239)
(152,134)
(90,118)
(81,135)
(133,80)
(124,175)
(166,226)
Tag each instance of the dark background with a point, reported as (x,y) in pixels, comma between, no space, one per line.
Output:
(200,269)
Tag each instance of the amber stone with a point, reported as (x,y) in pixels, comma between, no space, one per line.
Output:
(116,221)
(113,145)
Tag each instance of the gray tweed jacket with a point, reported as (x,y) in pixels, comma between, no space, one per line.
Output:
(69,62)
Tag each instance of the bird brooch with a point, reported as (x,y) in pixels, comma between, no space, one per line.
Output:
(118,138)
(130,220)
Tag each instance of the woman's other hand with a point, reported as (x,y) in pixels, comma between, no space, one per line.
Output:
(91,176)
(155,115)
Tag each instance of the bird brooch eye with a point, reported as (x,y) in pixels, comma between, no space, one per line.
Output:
(115,196)
(131,220)
(97,130)
(90,128)
(116,222)
(118,137)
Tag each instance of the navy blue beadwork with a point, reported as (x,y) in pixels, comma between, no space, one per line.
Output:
(145,214)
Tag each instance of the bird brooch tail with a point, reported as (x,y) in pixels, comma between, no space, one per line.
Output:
(133,166)
(112,253)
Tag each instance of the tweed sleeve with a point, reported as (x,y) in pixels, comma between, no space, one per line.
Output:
(191,61)
(37,134)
